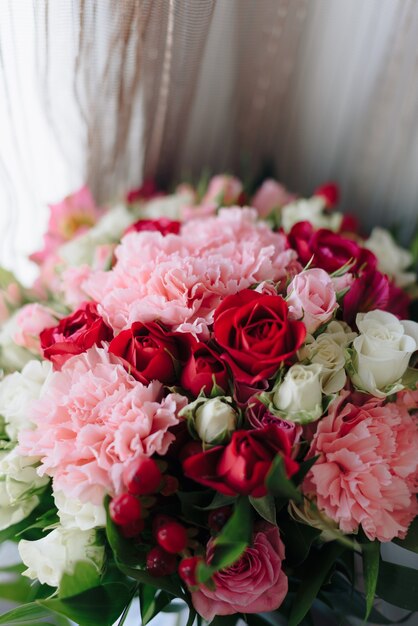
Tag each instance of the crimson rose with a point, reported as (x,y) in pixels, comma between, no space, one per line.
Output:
(242,466)
(202,368)
(75,334)
(256,334)
(329,250)
(162,225)
(148,351)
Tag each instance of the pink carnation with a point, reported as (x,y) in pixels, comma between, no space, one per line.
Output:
(255,583)
(180,279)
(31,320)
(92,420)
(72,280)
(367,470)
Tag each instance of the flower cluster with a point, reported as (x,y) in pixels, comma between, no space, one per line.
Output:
(209,370)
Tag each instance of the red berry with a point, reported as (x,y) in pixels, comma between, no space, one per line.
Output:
(125,509)
(187,570)
(132,529)
(160,562)
(159,521)
(218,518)
(142,477)
(172,536)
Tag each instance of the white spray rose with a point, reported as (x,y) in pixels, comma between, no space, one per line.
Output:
(214,419)
(167,206)
(382,351)
(299,396)
(392,259)
(330,355)
(310,210)
(19,485)
(340,332)
(47,559)
(109,229)
(17,392)
(76,514)
(12,356)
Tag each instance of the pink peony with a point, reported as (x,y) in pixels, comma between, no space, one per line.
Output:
(180,279)
(367,470)
(271,195)
(93,418)
(31,320)
(311,297)
(255,583)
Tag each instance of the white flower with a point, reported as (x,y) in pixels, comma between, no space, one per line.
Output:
(382,352)
(47,559)
(76,514)
(19,484)
(167,206)
(392,259)
(215,419)
(12,356)
(310,210)
(330,355)
(299,396)
(340,332)
(17,391)
(109,229)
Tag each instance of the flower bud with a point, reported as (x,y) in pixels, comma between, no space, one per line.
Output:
(299,396)
(215,420)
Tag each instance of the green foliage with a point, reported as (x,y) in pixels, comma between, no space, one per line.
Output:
(398,585)
(371,559)
(265,507)
(279,485)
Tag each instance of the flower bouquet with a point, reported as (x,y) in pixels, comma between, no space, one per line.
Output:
(209,401)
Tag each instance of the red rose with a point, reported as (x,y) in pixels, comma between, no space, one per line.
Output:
(329,250)
(259,416)
(162,225)
(75,334)
(202,369)
(148,351)
(146,191)
(256,334)
(368,292)
(241,467)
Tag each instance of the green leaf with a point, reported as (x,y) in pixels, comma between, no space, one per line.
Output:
(231,542)
(278,484)
(265,507)
(304,468)
(16,591)
(25,614)
(152,602)
(165,583)
(219,500)
(316,571)
(371,557)
(411,540)
(410,378)
(298,539)
(84,577)
(398,585)
(99,606)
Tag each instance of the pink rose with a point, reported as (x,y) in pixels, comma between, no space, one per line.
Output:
(224,190)
(311,296)
(31,320)
(255,583)
(271,195)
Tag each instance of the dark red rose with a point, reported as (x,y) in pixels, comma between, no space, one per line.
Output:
(327,249)
(259,416)
(75,334)
(330,192)
(163,226)
(202,368)
(256,334)
(244,391)
(149,352)
(368,292)
(242,466)
(146,191)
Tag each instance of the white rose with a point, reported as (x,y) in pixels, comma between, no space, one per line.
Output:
(109,229)
(167,206)
(299,396)
(12,356)
(47,559)
(215,419)
(17,392)
(330,355)
(19,484)
(340,332)
(76,514)
(309,210)
(382,352)
(392,259)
